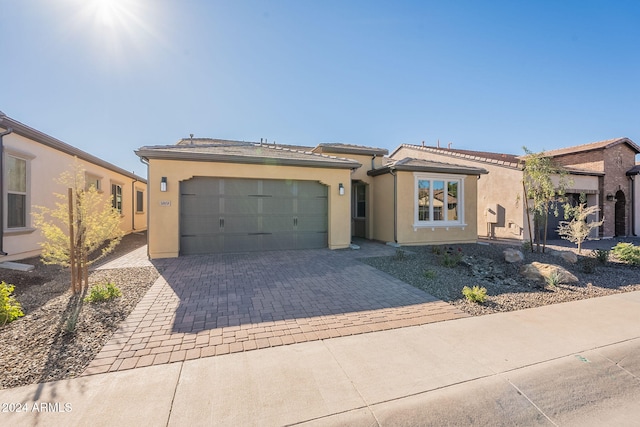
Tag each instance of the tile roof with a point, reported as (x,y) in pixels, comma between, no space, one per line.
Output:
(593,146)
(506,160)
(420,165)
(245,152)
(229,142)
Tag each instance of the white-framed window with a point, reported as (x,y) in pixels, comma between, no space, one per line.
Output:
(439,200)
(116,197)
(92,180)
(17,174)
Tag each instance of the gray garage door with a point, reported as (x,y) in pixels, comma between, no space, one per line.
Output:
(238,215)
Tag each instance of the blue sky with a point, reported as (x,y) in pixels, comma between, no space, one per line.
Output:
(109,76)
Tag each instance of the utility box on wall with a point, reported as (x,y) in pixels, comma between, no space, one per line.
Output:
(491,213)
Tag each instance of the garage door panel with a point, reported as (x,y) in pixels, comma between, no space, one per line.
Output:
(196,224)
(194,204)
(241,224)
(312,223)
(311,189)
(311,240)
(201,244)
(277,206)
(313,206)
(278,223)
(276,188)
(240,206)
(241,187)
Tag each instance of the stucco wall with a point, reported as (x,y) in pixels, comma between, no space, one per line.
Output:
(500,190)
(45,165)
(383,209)
(164,221)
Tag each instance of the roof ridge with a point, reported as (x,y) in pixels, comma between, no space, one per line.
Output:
(465,155)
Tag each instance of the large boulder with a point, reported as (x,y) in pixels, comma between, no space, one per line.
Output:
(512,255)
(539,271)
(569,257)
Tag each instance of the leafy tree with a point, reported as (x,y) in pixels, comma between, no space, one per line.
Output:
(539,187)
(82,228)
(577,229)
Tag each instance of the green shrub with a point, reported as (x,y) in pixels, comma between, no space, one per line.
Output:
(451,259)
(429,274)
(400,255)
(601,255)
(628,253)
(10,309)
(436,250)
(527,246)
(100,293)
(476,294)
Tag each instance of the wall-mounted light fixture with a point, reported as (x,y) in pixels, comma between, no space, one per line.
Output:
(163,183)
(341,189)
(610,197)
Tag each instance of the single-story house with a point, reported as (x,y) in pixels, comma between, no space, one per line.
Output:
(31,161)
(603,171)
(215,196)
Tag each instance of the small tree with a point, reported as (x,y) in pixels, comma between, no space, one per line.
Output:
(577,229)
(82,228)
(539,187)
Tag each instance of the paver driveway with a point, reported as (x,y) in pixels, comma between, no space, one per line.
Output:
(208,305)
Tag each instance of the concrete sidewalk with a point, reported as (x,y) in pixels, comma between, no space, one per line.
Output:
(575,363)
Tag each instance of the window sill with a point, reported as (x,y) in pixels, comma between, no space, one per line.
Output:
(445,225)
(18,231)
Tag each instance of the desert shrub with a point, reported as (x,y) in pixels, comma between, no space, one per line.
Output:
(105,292)
(601,255)
(527,246)
(452,258)
(554,279)
(436,250)
(476,294)
(429,274)
(628,253)
(10,308)
(589,264)
(400,255)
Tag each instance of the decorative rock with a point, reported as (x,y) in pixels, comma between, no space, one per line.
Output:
(569,257)
(513,255)
(540,271)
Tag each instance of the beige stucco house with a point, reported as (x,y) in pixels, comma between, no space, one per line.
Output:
(213,196)
(31,162)
(598,170)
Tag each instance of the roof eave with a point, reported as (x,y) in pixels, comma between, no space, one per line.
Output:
(257,160)
(405,168)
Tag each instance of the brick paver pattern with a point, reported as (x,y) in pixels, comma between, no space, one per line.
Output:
(209,305)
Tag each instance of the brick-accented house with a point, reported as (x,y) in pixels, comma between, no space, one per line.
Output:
(601,170)
(613,157)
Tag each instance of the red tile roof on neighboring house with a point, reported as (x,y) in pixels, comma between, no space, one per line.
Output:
(599,145)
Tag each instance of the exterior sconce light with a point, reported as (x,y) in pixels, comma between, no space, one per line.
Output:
(163,183)
(610,197)
(341,189)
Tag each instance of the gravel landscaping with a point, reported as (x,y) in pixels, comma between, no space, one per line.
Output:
(507,290)
(38,347)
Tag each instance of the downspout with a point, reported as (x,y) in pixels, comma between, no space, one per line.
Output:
(395,204)
(633,205)
(7,132)
(133,205)
(145,161)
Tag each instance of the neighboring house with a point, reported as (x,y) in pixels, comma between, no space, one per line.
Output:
(599,170)
(215,196)
(31,163)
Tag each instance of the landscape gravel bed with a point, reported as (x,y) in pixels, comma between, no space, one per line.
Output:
(507,290)
(38,347)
